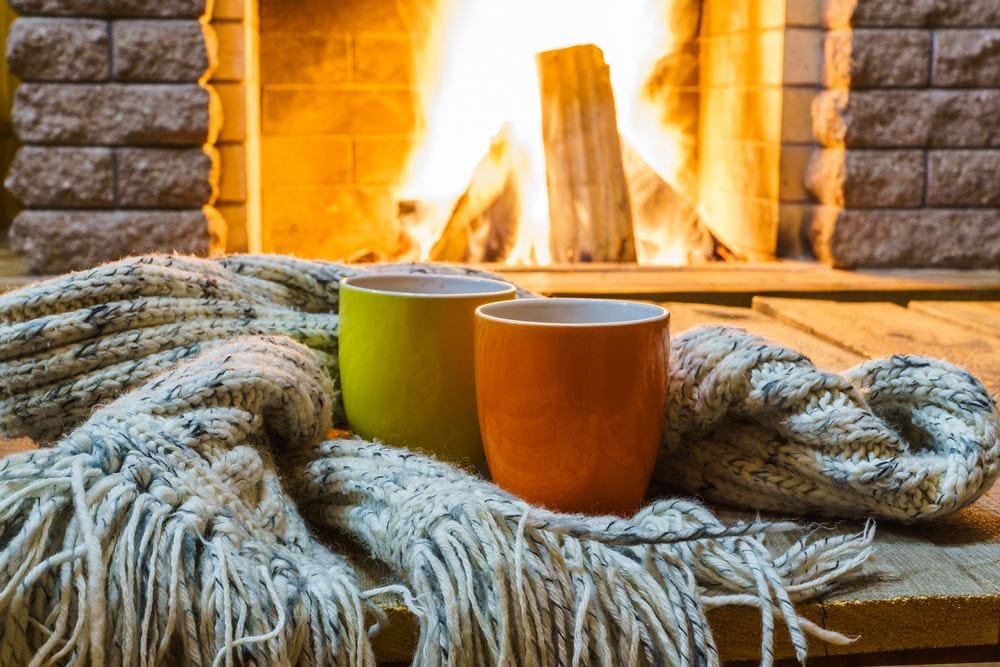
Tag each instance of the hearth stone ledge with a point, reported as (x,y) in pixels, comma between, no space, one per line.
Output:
(900,238)
(57,241)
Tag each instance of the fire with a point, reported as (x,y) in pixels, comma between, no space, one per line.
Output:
(480,78)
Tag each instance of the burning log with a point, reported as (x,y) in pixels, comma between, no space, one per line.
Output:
(483,224)
(589,211)
(668,228)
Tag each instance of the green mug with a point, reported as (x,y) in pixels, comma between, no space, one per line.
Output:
(407,375)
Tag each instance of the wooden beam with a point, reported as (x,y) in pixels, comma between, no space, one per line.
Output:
(589,210)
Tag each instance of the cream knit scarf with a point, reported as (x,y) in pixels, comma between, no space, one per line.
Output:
(172,520)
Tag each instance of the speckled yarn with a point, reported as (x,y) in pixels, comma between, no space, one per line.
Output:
(167,527)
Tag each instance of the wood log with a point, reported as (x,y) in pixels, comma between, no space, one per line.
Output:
(667,226)
(483,224)
(589,211)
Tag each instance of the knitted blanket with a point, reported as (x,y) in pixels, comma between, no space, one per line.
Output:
(186,402)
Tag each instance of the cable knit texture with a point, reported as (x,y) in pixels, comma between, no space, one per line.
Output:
(187,400)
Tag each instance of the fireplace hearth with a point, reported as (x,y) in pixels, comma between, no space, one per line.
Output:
(865,133)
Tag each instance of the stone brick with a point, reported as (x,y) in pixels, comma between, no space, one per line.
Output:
(793,222)
(383,59)
(45,49)
(918,118)
(865,178)
(59,177)
(322,16)
(233,98)
(796,116)
(136,8)
(719,17)
(115,114)
(235,216)
(381,160)
(233,178)
(314,160)
(946,238)
(167,177)
(916,13)
(739,114)
(163,51)
(334,111)
(792,165)
(966,58)
(59,241)
(297,58)
(866,58)
(228,9)
(232,62)
(963,178)
(803,57)
(745,167)
(329,221)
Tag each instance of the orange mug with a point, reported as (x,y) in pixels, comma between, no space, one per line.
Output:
(571,395)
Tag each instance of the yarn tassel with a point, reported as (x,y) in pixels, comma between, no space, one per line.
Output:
(497,581)
(154,533)
(97,569)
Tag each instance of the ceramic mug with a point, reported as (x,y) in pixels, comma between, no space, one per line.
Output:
(406,364)
(572,396)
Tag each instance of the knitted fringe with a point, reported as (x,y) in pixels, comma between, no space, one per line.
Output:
(158,533)
(507,582)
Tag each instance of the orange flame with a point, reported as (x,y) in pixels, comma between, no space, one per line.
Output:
(480,76)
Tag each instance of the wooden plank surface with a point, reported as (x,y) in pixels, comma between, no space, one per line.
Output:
(726,283)
(736,284)
(683,316)
(882,329)
(983,316)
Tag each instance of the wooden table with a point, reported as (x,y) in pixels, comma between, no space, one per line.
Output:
(932,593)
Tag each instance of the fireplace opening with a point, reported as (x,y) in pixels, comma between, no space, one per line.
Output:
(523,133)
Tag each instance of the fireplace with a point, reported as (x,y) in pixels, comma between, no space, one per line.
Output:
(862,132)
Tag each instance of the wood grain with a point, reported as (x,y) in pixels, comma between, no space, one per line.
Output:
(735,284)
(883,329)
(683,316)
(589,211)
(983,316)
(484,222)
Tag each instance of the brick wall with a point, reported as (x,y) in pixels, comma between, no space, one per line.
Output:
(339,116)
(117,127)
(760,68)
(236,82)
(866,130)
(908,172)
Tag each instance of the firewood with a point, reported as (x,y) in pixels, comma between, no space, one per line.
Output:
(484,222)
(667,224)
(589,210)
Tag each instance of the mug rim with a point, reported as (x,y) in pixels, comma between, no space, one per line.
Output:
(501,287)
(658,313)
